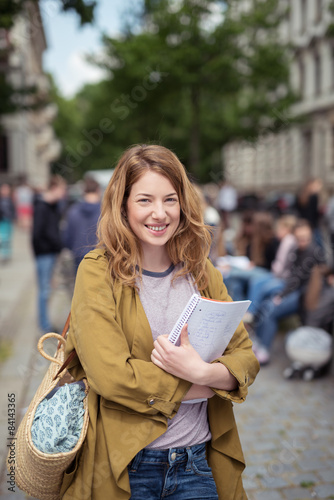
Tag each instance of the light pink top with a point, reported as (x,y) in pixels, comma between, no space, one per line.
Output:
(281,265)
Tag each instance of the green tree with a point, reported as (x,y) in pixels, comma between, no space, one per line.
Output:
(67,125)
(193,75)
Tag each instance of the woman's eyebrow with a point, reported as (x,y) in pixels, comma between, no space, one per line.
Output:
(151,195)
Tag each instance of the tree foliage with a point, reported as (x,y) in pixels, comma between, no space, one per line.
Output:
(192,76)
(84,9)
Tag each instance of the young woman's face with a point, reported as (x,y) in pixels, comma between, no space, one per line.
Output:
(153,209)
(281,231)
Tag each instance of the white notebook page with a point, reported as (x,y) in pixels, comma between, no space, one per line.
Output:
(211,324)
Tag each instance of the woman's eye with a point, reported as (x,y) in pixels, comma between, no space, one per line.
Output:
(171,200)
(144,200)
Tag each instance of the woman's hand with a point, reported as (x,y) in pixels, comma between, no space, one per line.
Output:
(182,361)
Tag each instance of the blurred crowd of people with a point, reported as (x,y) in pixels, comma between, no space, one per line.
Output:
(279,256)
(282,260)
(55,221)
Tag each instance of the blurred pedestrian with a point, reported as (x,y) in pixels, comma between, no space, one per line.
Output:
(212,218)
(46,241)
(81,222)
(227,201)
(319,299)
(261,250)
(267,284)
(288,300)
(7,217)
(129,292)
(23,198)
(330,223)
(308,206)
(244,235)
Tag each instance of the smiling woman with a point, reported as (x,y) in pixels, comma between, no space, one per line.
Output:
(150,189)
(154,216)
(143,440)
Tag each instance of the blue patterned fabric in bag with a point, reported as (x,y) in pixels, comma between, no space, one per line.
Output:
(58,419)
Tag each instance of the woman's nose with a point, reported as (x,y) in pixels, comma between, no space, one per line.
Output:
(158,211)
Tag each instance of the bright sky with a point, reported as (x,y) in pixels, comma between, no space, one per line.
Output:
(68,43)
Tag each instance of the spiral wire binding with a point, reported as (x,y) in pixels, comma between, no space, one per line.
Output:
(188,310)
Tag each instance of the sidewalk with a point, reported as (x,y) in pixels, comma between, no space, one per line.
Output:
(24,368)
(286,427)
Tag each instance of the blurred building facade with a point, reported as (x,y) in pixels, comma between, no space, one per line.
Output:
(285,160)
(27,141)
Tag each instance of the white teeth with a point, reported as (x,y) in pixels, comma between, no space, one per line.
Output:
(157,228)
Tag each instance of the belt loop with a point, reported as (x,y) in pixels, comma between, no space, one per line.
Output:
(134,464)
(190,457)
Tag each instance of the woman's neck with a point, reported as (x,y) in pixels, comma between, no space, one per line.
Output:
(155,259)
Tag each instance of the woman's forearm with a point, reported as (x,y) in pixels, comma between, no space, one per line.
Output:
(198,392)
(216,375)
(184,362)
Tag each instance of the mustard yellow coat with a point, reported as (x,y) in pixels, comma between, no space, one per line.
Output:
(130,398)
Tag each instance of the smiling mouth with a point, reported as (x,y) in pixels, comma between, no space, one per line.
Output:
(157,228)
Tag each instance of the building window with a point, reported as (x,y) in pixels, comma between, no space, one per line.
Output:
(317,74)
(303,15)
(332,67)
(3,154)
(301,65)
(307,156)
(318,11)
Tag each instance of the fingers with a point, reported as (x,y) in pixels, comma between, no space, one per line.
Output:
(163,345)
(155,357)
(184,336)
(184,329)
(162,350)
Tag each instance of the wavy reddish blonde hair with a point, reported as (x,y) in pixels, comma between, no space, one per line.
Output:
(191,241)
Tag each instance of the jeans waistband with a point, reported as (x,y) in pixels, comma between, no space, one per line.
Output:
(169,456)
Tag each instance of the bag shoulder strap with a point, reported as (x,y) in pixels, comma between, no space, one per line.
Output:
(72,354)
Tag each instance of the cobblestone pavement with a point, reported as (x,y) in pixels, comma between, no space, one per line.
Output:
(287,432)
(286,427)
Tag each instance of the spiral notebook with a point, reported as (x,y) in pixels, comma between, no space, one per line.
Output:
(211,324)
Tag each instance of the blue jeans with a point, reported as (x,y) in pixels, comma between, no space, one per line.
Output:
(263,287)
(45,266)
(177,473)
(267,320)
(6,232)
(237,281)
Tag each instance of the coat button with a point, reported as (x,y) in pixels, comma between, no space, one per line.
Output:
(151,402)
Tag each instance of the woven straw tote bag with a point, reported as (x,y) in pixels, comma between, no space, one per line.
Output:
(40,474)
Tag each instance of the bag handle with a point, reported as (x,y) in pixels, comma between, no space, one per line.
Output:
(41,349)
(71,355)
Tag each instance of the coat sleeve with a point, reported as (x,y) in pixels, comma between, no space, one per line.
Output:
(103,350)
(238,357)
